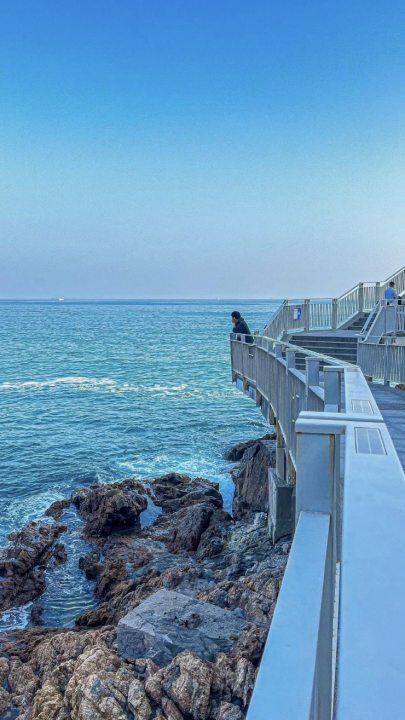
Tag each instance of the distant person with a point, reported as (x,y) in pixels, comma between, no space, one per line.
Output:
(240,326)
(390,293)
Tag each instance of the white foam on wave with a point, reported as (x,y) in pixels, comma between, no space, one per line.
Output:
(159,389)
(88,383)
(16,618)
(82,382)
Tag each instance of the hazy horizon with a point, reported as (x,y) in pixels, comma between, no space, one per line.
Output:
(169,150)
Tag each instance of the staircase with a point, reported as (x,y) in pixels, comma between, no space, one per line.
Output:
(341,344)
(337,346)
(358,324)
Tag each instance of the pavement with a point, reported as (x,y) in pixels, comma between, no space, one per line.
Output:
(391,403)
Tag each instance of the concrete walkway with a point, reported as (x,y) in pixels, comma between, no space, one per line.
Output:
(391,403)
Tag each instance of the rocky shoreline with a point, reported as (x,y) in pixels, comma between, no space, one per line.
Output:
(182,606)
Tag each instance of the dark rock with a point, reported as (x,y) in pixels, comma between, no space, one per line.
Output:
(174,491)
(59,554)
(90,564)
(235,453)
(251,478)
(185,529)
(110,508)
(110,576)
(36,615)
(169,622)
(22,566)
(255,595)
(56,509)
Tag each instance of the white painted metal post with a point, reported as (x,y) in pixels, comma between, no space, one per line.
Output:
(334,314)
(361,297)
(332,386)
(316,473)
(311,377)
(312,371)
(306,315)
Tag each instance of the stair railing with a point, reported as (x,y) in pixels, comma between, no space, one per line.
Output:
(330,314)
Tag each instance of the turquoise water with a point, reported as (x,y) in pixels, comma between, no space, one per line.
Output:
(98,391)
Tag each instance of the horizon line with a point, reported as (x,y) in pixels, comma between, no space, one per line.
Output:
(136,299)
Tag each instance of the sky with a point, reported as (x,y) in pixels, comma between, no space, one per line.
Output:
(200,148)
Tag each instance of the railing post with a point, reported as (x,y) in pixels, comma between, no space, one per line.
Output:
(334,313)
(306,315)
(280,455)
(290,358)
(317,459)
(332,388)
(311,376)
(361,297)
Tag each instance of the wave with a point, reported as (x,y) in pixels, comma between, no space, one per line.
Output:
(108,385)
(72,381)
(88,383)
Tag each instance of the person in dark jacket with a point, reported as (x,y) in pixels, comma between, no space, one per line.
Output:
(240,326)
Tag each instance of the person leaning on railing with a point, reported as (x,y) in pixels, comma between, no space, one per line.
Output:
(240,327)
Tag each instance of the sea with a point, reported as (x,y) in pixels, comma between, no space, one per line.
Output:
(99,391)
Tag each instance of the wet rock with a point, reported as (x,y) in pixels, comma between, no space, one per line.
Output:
(56,509)
(169,622)
(59,554)
(174,491)
(185,528)
(22,566)
(236,453)
(251,479)
(36,615)
(110,576)
(217,578)
(127,595)
(110,508)
(90,564)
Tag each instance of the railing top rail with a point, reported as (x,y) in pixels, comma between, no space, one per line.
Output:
(264,339)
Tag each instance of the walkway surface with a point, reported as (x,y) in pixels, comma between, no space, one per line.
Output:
(391,403)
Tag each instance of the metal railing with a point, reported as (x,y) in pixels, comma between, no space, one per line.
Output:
(336,646)
(384,362)
(295,316)
(388,319)
(381,344)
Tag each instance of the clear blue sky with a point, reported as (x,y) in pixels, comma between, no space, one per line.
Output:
(196,148)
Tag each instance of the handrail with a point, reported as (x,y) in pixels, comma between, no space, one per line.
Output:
(388,319)
(296,316)
(322,418)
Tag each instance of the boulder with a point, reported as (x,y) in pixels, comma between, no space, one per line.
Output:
(110,508)
(186,528)
(56,509)
(174,491)
(235,453)
(22,566)
(169,622)
(251,478)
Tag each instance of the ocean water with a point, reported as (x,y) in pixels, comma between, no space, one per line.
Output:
(100,391)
